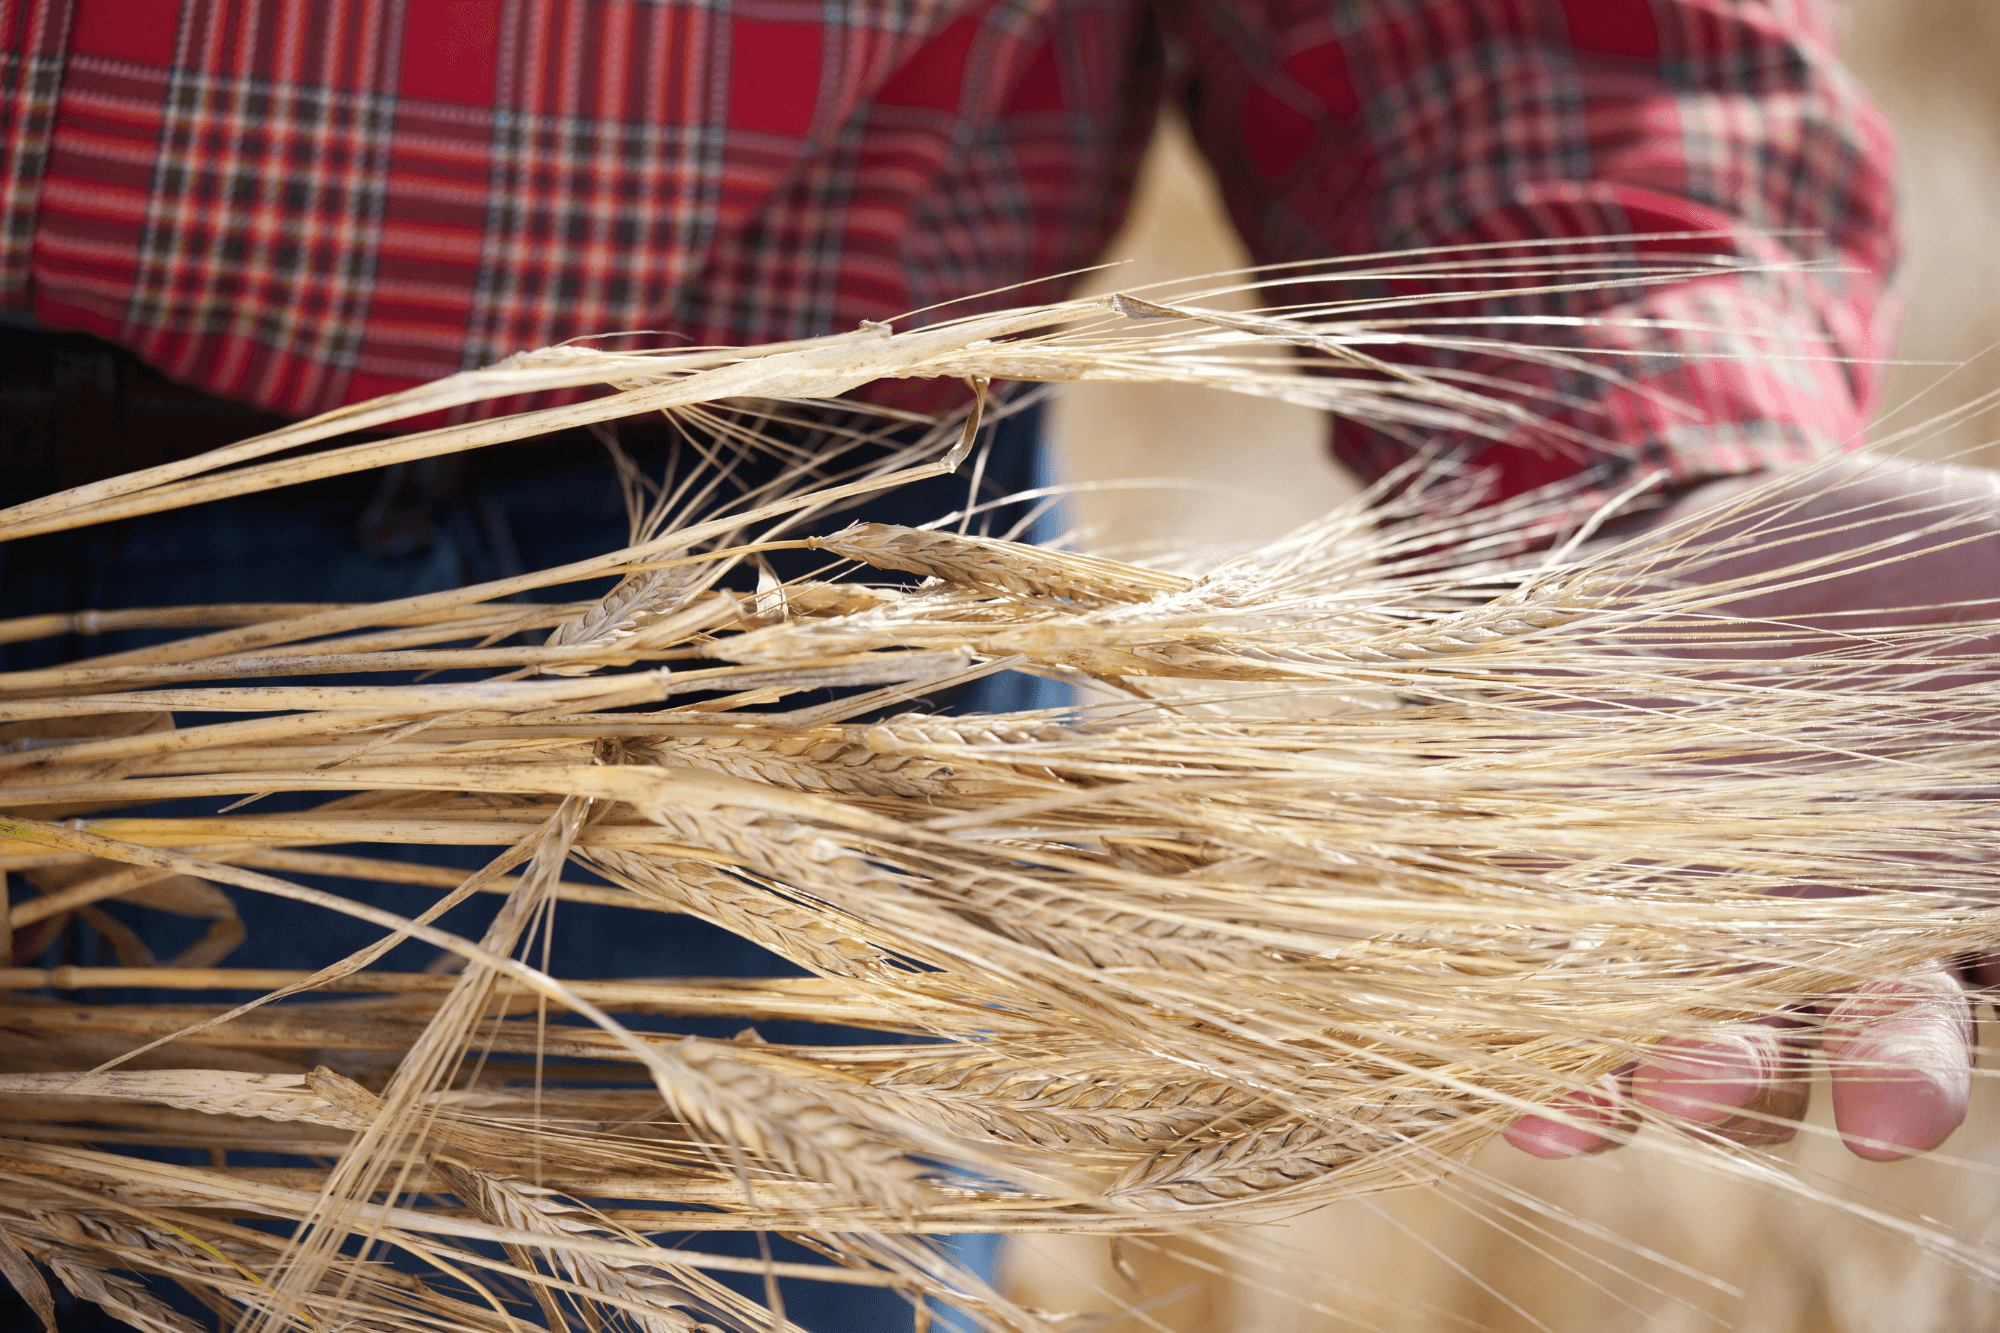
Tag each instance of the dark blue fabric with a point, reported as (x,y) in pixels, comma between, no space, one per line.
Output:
(303,547)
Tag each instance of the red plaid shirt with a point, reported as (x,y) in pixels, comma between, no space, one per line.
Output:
(302,203)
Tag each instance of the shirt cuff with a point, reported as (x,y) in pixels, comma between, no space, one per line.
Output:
(1716,378)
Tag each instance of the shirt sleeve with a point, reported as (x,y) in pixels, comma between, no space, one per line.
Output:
(1345,127)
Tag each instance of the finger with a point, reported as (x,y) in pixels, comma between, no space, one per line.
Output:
(1747,1084)
(1900,1055)
(1576,1123)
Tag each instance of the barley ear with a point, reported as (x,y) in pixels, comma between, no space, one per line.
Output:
(27,1280)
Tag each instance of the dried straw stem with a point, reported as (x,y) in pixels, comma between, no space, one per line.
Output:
(1392,832)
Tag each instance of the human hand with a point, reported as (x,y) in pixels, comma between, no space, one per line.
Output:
(1898,1050)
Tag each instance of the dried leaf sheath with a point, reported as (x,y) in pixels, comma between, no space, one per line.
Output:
(1456,834)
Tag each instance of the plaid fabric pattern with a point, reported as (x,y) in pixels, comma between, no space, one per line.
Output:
(1353,126)
(33,39)
(301,203)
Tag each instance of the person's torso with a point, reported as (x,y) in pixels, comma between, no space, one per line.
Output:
(301,203)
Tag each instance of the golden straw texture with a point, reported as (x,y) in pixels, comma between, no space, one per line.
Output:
(1363,843)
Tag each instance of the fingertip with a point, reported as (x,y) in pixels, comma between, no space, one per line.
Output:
(1888,1117)
(1900,1054)
(1550,1139)
(1703,1080)
(1576,1124)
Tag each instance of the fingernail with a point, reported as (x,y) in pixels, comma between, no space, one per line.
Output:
(1771,1117)
(1703,1080)
(1578,1123)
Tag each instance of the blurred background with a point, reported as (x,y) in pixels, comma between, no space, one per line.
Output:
(1634,1239)
(1933,65)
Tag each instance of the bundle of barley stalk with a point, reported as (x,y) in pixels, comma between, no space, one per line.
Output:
(1353,848)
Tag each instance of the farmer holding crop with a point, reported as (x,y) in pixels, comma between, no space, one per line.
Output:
(294,206)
